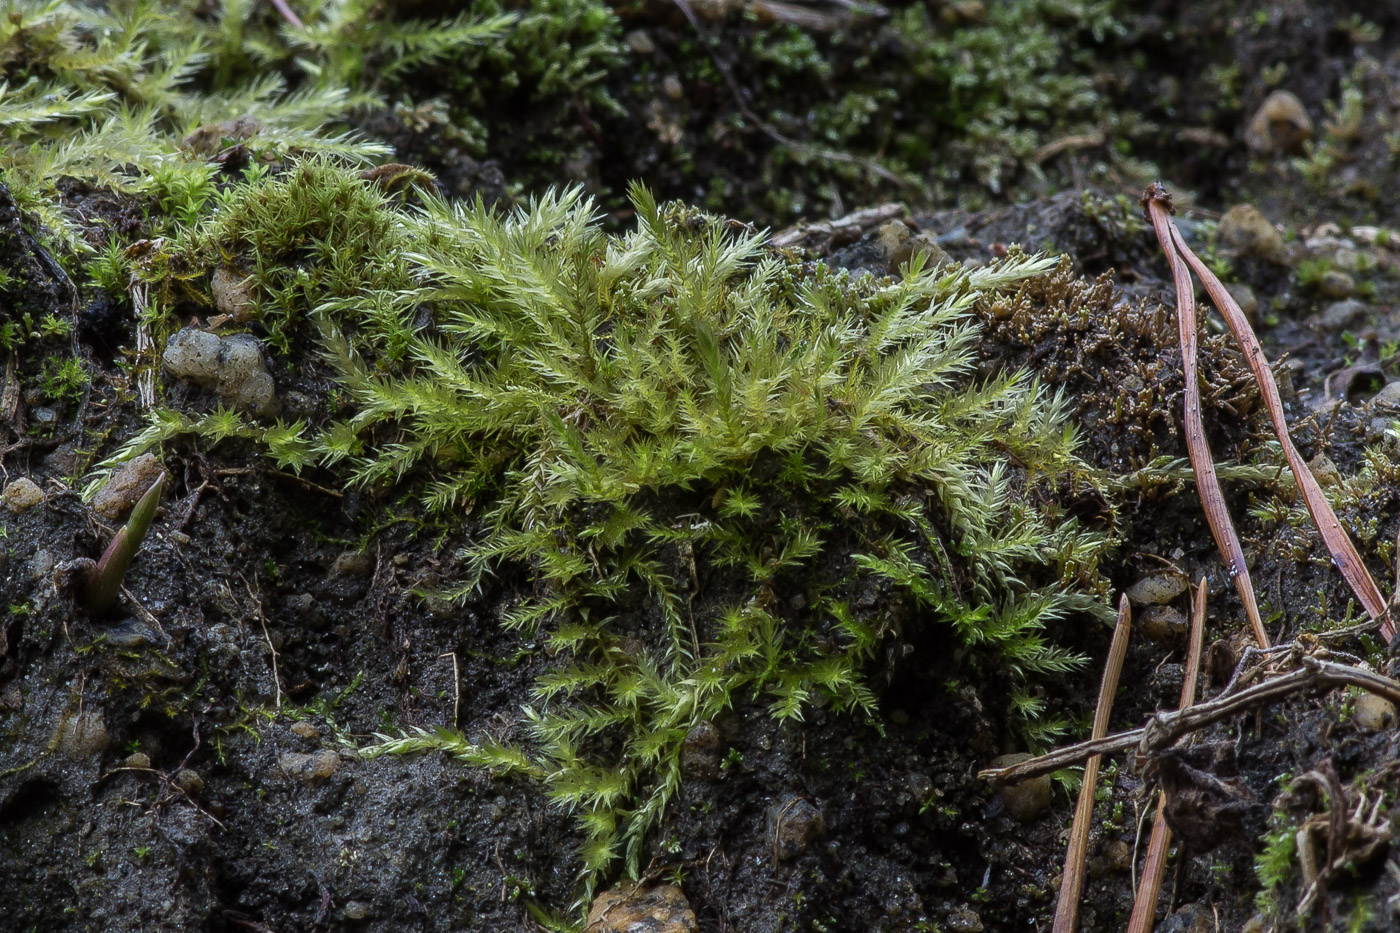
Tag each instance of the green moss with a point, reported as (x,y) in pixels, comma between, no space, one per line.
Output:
(705,473)
(316,234)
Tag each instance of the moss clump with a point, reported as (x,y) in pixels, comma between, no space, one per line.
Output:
(313,235)
(713,473)
(138,96)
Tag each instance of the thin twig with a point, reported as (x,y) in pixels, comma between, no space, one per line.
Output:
(456,686)
(1163,729)
(1154,867)
(1067,911)
(276,678)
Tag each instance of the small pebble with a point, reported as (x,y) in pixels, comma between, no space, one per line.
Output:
(796,825)
(1340,315)
(1027,800)
(41,564)
(640,42)
(82,736)
(1118,855)
(1162,623)
(964,920)
(1373,713)
(1336,284)
(1325,471)
(1280,125)
(629,908)
(352,564)
(1387,400)
(1244,297)
(1246,232)
(22,494)
(127,484)
(189,781)
(1157,589)
(309,768)
(131,635)
(305,729)
(355,910)
(137,760)
(233,293)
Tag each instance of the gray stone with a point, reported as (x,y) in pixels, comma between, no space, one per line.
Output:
(231,365)
(41,564)
(1340,315)
(233,293)
(1336,284)
(1387,400)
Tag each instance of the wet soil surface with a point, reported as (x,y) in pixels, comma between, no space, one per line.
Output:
(187,760)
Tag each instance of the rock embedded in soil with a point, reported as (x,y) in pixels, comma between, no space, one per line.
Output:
(309,768)
(1373,713)
(22,494)
(796,825)
(1245,298)
(1280,125)
(700,752)
(964,920)
(1157,589)
(1342,314)
(41,564)
(83,735)
(1336,284)
(1246,233)
(189,781)
(628,908)
(233,293)
(1026,801)
(1386,400)
(1162,623)
(127,485)
(305,729)
(233,366)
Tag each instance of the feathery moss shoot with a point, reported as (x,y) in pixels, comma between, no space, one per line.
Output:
(705,455)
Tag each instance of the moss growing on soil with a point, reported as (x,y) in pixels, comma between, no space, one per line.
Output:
(724,472)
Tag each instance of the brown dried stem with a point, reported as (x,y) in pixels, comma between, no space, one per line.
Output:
(1158,203)
(1154,866)
(1067,911)
(1163,729)
(1336,539)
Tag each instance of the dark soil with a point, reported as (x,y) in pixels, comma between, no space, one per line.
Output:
(187,761)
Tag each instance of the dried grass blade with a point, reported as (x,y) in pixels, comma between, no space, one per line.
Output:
(1158,203)
(1154,866)
(1067,910)
(1338,542)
